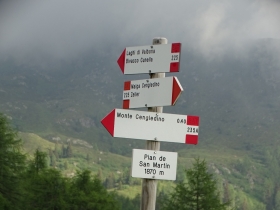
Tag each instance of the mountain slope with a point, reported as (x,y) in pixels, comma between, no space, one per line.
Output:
(236,96)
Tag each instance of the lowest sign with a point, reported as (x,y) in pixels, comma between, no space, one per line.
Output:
(154,126)
(149,164)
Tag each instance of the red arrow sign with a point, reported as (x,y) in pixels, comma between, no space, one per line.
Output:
(152,126)
(176,90)
(150,59)
(121,61)
(151,92)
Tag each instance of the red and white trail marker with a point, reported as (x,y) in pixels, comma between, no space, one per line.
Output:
(151,92)
(150,59)
(153,126)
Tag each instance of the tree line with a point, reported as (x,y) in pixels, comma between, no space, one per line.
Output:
(31,184)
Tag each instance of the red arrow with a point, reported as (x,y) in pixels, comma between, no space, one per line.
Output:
(121,61)
(109,122)
(176,91)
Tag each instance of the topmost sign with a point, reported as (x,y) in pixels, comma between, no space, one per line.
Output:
(150,59)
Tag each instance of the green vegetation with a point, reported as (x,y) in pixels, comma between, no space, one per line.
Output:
(57,110)
(241,176)
(11,166)
(33,185)
(42,173)
(198,191)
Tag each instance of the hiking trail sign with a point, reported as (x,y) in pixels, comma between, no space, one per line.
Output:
(152,126)
(150,59)
(151,92)
(151,164)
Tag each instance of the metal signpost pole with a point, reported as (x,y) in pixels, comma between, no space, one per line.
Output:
(149,186)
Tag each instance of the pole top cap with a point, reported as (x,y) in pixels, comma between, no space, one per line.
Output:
(159,40)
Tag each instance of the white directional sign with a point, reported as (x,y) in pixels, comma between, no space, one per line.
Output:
(125,123)
(150,59)
(151,92)
(149,164)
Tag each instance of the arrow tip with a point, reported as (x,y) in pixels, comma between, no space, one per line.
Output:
(121,61)
(109,122)
(176,91)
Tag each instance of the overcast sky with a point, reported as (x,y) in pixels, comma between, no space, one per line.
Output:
(66,28)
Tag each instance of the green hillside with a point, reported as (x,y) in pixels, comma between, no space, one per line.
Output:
(61,103)
(243,172)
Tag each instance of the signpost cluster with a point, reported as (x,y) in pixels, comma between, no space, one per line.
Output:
(152,125)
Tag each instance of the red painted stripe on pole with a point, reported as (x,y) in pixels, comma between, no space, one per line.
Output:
(174,67)
(121,60)
(126,104)
(176,48)
(126,85)
(193,120)
(191,139)
(109,122)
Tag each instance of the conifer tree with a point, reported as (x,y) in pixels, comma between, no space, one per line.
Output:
(127,177)
(87,192)
(47,190)
(120,185)
(198,192)
(277,199)
(95,147)
(40,162)
(45,187)
(56,150)
(88,158)
(53,161)
(226,198)
(69,150)
(99,174)
(63,151)
(12,163)
(110,181)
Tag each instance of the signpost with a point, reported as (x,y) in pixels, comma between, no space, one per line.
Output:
(150,59)
(150,164)
(152,126)
(151,92)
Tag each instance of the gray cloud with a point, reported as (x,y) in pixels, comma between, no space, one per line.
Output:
(65,28)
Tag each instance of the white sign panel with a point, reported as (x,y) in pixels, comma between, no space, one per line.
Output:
(151,92)
(149,164)
(152,126)
(150,59)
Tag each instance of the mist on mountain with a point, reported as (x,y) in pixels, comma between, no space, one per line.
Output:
(59,72)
